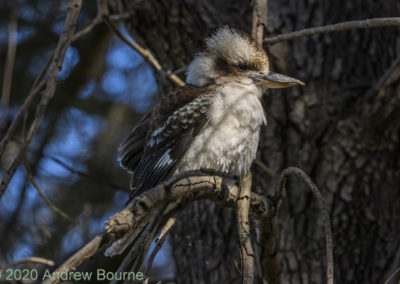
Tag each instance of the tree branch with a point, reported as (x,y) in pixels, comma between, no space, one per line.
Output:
(32,259)
(383,79)
(80,256)
(260,20)
(242,211)
(45,88)
(8,68)
(43,196)
(393,275)
(159,243)
(180,190)
(147,55)
(102,14)
(363,24)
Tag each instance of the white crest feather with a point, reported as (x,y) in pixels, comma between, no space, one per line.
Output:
(201,70)
(230,45)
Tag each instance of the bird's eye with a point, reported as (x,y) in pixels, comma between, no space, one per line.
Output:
(242,67)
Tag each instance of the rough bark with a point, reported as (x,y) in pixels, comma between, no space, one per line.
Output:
(345,136)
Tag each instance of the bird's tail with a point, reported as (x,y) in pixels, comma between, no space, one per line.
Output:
(138,239)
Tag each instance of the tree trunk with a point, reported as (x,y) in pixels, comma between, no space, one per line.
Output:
(337,128)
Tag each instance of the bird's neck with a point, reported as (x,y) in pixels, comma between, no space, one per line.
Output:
(238,87)
(240,100)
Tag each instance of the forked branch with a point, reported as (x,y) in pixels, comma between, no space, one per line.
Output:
(180,190)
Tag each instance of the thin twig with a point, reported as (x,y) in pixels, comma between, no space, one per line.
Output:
(159,242)
(344,26)
(242,210)
(265,168)
(20,115)
(82,174)
(9,67)
(46,88)
(393,275)
(145,53)
(43,196)
(178,71)
(153,255)
(167,227)
(383,79)
(32,259)
(102,12)
(324,212)
(79,257)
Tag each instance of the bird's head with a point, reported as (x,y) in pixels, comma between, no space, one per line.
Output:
(230,54)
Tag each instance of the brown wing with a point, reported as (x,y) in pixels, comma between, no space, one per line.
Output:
(168,144)
(131,149)
(154,147)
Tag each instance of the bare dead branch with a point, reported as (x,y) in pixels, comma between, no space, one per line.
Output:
(265,168)
(260,20)
(180,190)
(268,233)
(80,256)
(85,175)
(242,211)
(167,223)
(393,275)
(324,212)
(383,79)
(167,227)
(156,249)
(344,26)
(43,196)
(45,88)
(9,67)
(96,21)
(32,259)
(102,13)
(147,55)
(178,71)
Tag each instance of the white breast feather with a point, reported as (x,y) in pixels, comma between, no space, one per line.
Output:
(229,142)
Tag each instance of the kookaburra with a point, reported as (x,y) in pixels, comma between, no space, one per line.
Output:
(213,122)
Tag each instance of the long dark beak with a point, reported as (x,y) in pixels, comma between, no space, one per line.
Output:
(275,80)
